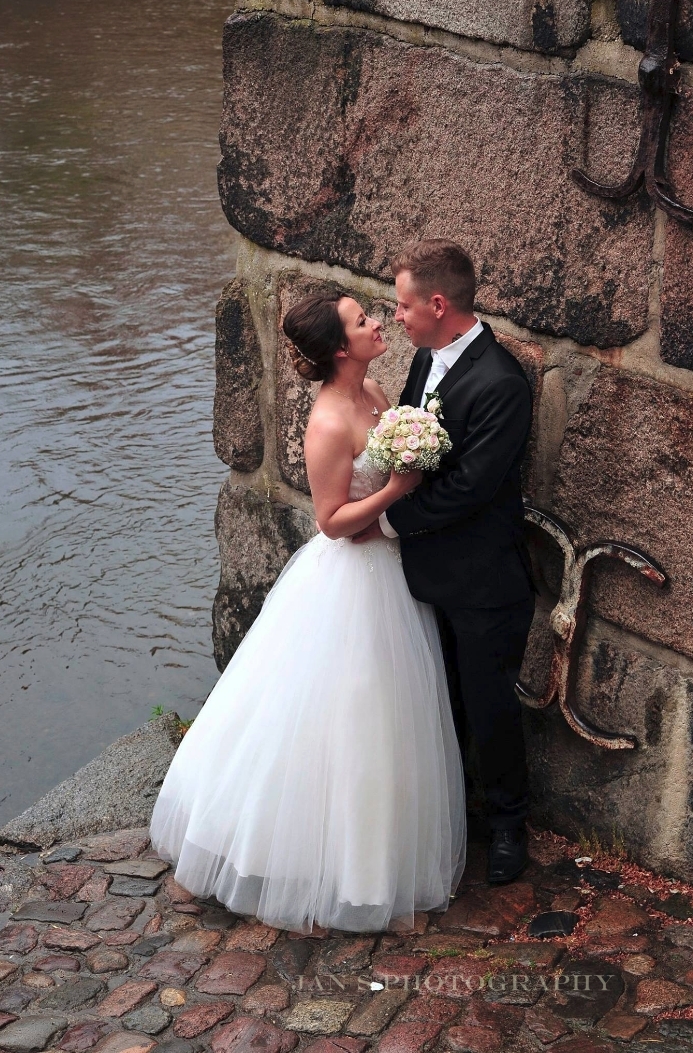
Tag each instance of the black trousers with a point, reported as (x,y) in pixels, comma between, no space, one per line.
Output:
(483,649)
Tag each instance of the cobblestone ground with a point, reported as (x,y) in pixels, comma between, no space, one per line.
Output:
(101,949)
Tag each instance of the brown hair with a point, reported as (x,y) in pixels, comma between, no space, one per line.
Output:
(316,330)
(439,265)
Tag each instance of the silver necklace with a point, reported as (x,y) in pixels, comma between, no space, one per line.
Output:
(374,412)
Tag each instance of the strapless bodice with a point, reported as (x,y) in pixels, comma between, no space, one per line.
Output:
(366,479)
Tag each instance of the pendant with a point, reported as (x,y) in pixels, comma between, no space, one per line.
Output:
(374,412)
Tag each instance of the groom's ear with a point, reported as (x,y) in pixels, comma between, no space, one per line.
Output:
(439,304)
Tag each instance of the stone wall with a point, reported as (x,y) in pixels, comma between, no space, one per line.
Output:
(350,127)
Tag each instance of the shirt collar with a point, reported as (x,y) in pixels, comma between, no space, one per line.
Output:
(452,352)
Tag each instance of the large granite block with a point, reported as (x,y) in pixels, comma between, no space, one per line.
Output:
(114,791)
(543,25)
(238,434)
(638,796)
(256,538)
(625,473)
(632,16)
(341,144)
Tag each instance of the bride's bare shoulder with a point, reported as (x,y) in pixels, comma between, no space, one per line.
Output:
(327,426)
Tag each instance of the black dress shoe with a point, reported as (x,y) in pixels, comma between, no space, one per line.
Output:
(507,856)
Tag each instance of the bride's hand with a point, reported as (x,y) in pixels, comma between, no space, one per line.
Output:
(404,482)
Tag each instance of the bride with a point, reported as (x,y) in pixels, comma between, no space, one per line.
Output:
(322,782)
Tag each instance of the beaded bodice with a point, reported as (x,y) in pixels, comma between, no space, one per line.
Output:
(366,479)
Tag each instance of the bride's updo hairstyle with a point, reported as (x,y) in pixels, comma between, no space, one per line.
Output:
(316,332)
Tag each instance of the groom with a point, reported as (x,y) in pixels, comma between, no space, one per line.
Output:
(462,529)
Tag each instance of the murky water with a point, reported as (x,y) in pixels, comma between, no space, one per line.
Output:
(113,252)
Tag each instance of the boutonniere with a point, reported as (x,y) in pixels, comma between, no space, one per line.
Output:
(434,403)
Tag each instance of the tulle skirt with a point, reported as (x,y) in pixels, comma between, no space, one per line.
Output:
(322,780)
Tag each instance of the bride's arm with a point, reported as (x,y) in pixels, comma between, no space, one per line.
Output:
(329,461)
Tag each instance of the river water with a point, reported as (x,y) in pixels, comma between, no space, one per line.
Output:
(113,252)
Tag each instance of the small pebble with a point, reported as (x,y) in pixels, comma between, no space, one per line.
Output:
(172,996)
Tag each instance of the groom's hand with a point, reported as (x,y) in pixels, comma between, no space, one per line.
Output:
(368,534)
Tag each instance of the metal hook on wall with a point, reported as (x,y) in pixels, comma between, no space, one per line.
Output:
(659,77)
(568,619)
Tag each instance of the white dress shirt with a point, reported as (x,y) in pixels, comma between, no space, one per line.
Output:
(442,361)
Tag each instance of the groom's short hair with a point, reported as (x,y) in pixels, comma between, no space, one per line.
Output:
(439,265)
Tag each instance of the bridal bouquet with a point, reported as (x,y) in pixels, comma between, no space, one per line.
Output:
(406,438)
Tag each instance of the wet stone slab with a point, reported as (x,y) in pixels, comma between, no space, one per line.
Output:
(375,1014)
(63,854)
(66,879)
(133,886)
(246,1035)
(172,967)
(15,999)
(72,995)
(591,989)
(122,844)
(151,1019)
(82,1036)
(148,946)
(200,1018)
(291,959)
(125,997)
(232,972)
(19,938)
(140,868)
(32,1032)
(125,1042)
(48,911)
(114,915)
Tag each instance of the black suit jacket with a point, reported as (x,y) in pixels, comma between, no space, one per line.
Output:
(462,530)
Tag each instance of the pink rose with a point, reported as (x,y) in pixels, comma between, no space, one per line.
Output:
(413,442)
(408,457)
(433,442)
(399,443)
(416,428)
(392,416)
(379,429)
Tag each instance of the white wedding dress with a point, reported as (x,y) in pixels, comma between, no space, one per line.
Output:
(322,780)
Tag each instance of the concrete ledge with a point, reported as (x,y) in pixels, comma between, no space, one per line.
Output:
(116,790)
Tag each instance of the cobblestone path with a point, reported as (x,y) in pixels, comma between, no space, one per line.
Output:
(101,949)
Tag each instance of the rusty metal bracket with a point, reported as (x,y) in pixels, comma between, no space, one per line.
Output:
(659,77)
(568,619)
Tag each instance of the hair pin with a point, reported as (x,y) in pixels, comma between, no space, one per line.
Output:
(305,357)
